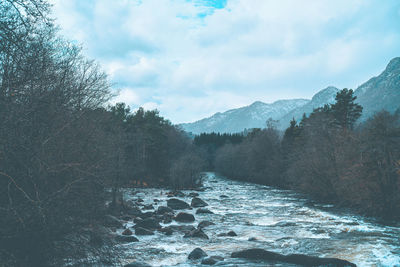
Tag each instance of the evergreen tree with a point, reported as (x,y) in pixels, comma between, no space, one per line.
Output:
(289,136)
(345,111)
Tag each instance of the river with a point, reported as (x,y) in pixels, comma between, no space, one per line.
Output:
(280,220)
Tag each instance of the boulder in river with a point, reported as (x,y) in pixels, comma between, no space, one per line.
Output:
(305,260)
(204,224)
(177,204)
(223,196)
(143,231)
(197,233)
(230,233)
(184,229)
(184,217)
(198,202)
(163,209)
(137,264)
(148,223)
(299,259)
(131,208)
(204,211)
(257,254)
(146,215)
(196,254)
(209,261)
(126,238)
(127,232)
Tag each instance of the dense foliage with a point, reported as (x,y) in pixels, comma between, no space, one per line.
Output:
(60,148)
(326,156)
(211,142)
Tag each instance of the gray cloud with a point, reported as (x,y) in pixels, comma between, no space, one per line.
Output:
(190,59)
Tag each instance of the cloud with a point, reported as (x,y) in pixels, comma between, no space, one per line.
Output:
(191,58)
(127,95)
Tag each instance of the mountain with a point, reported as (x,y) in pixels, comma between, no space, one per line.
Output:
(236,120)
(381,92)
(378,93)
(325,96)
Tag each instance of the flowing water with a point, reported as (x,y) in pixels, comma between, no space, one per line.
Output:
(280,220)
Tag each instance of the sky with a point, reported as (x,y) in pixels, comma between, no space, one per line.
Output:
(192,58)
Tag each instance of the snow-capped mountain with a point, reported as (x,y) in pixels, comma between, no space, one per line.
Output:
(378,93)
(236,120)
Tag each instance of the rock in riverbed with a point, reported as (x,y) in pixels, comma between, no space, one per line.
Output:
(196,254)
(183,229)
(198,202)
(204,211)
(163,209)
(198,233)
(204,224)
(299,259)
(177,204)
(131,208)
(184,217)
(127,232)
(230,233)
(209,261)
(137,264)
(148,223)
(143,231)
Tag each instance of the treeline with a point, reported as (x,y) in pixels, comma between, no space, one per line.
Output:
(327,156)
(211,142)
(61,149)
(150,150)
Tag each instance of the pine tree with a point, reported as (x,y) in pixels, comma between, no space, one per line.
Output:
(345,111)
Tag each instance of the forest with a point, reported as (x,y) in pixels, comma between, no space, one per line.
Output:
(327,155)
(65,151)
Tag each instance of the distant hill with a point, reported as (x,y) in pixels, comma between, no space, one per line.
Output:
(236,120)
(378,93)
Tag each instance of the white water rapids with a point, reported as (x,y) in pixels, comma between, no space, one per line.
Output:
(280,220)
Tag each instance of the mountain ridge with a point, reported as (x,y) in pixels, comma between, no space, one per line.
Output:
(377,93)
(251,116)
